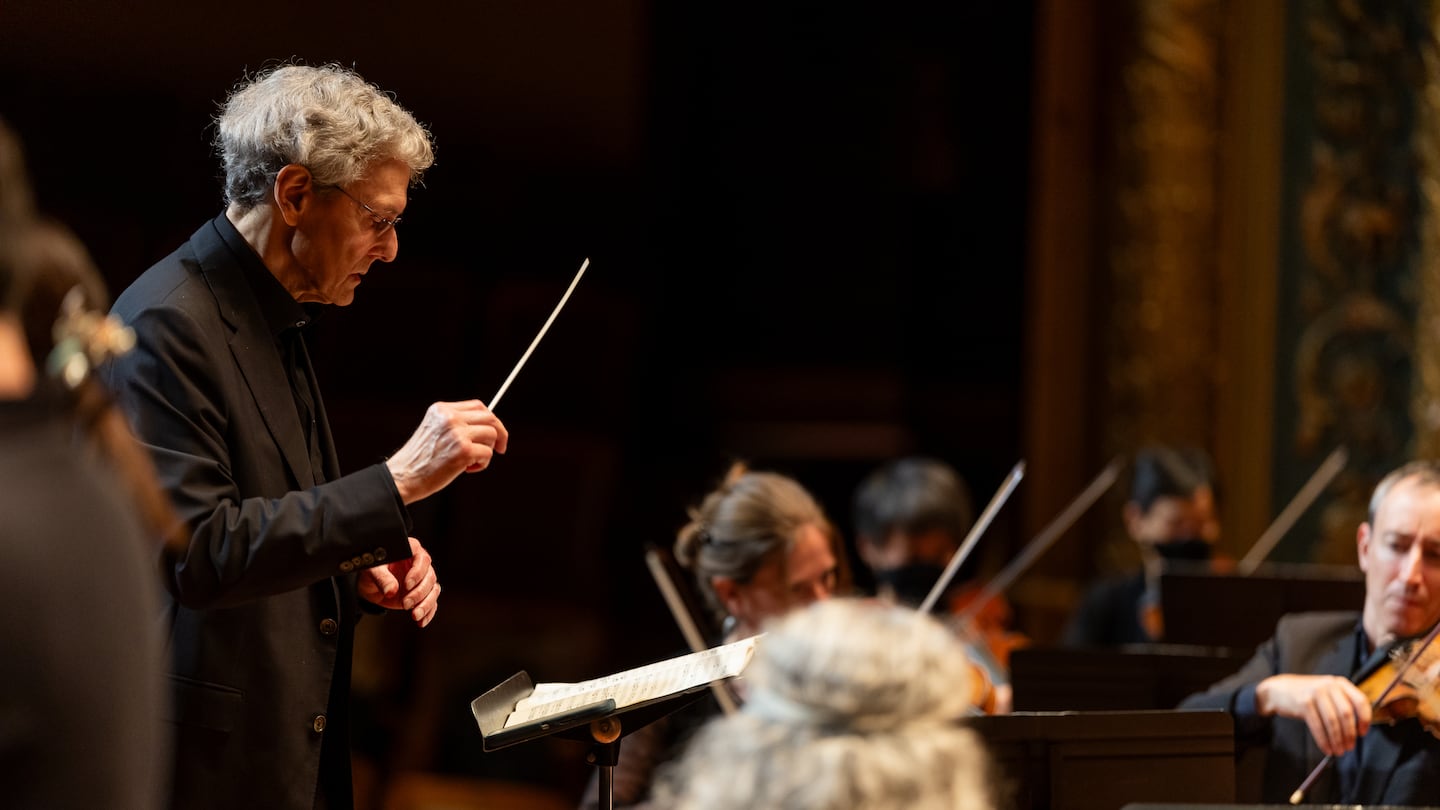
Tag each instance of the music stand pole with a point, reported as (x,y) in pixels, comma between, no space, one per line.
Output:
(604,754)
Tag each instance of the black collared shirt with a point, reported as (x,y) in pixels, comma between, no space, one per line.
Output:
(287,319)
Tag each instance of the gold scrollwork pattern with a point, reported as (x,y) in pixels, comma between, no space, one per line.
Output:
(1164,286)
(1425,405)
(1357,221)
(1162,342)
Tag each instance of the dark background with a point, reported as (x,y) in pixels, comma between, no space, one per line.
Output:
(806,228)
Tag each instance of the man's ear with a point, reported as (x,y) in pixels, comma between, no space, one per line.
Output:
(1362,544)
(728,591)
(293,187)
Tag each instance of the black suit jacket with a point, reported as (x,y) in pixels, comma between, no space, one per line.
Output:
(263,601)
(1400,763)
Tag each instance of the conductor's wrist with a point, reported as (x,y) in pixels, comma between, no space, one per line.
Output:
(402,482)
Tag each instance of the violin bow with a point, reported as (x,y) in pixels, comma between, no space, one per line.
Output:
(1046,538)
(688,626)
(494,401)
(1319,480)
(958,558)
(1299,794)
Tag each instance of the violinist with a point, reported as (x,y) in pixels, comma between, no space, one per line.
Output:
(1170,515)
(911,516)
(1308,691)
(758,547)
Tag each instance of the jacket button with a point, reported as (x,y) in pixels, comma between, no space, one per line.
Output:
(346,567)
(319,723)
(380,554)
(368,558)
(328,627)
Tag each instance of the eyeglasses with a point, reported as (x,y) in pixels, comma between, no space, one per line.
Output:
(382,224)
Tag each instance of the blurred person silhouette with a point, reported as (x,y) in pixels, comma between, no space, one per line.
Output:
(757,547)
(911,517)
(16,198)
(853,705)
(82,696)
(1170,515)
(284,552)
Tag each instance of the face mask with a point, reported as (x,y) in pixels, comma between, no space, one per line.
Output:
(911,583)
(1189,549)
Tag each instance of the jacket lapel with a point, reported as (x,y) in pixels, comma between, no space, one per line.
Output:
(254,350)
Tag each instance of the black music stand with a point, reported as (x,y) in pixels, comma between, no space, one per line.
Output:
(598,724)
(1205,608)
(1131,678)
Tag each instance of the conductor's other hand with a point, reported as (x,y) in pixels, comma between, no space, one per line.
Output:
(454,437)
(404,585)
(1334,709)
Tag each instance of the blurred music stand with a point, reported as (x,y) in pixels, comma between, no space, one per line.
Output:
(598,724)
(1205,608)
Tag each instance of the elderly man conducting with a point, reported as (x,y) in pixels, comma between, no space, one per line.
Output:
(283,548)
(1298,694)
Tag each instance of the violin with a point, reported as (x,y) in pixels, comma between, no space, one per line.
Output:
(1397,694)
(988,626)
(1401,688)
(986,697)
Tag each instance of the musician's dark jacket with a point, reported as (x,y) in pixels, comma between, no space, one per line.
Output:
(1109,614)
(262,606)
(1398,764)
(80,681)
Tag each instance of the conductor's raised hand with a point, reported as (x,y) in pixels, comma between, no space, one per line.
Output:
(454,437)
(1334,709)
(408,585)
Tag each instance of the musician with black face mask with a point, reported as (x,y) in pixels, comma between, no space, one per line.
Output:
(1171,517)
(911,516)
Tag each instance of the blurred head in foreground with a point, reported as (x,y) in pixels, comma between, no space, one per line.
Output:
(853,704)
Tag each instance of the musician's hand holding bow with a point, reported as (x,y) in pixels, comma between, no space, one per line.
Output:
(408,584)
(1335,710)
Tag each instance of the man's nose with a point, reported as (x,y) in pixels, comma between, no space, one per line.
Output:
(389,246)
(1412,566)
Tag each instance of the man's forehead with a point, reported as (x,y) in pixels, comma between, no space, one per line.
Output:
(1410,501)
(1413,489)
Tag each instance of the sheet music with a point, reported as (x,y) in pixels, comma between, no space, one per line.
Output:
(636,685)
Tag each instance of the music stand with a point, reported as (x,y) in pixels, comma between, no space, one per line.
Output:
(598,724)
(1210,609)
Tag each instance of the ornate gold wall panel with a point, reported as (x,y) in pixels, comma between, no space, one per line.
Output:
(1162,335)
(1354,291)
(1425,407)
(1162,347)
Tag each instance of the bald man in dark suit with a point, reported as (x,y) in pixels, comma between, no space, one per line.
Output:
(1298,697)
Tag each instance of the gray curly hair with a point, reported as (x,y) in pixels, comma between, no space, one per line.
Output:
(852,704)
(327,119)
